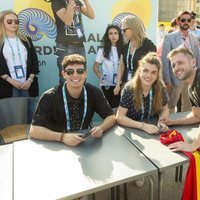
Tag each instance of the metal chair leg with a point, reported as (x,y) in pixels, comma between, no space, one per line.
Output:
(160,185)
(176,174)
(125,191)
(150,179)
(118,192)
(93,196)
(181,173)
(112,191)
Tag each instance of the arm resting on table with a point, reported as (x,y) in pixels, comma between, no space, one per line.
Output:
(42,133)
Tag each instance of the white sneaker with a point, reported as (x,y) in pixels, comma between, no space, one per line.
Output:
(139,182)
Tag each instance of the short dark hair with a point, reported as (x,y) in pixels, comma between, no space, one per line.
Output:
(73,59)
(193,14)
(173,22)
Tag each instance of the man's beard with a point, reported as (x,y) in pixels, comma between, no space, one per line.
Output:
(185,27)
(185,76)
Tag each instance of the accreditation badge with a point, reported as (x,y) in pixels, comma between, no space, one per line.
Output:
(129,76)
(19,71)
(79,31)
(114,79)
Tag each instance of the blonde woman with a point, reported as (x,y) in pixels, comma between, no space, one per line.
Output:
(144,96)
(137,45)
(18,60)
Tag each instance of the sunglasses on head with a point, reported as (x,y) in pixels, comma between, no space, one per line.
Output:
(79,71)
(125,29)
(186,19)
(11,21)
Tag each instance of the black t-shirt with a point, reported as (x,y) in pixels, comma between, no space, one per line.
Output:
(194,91)
(50,112)
(67,35)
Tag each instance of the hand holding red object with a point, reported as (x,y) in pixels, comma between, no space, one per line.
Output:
(171,137)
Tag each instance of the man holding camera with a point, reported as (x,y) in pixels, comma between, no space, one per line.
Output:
(70,31)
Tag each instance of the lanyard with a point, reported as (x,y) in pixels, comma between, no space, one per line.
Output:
(115,62)
(67,108)
(13,53)
(128,54)
(150,106)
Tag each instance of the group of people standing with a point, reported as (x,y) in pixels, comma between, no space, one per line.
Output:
(130,78)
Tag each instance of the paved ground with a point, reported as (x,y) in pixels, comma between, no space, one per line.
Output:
(171,190)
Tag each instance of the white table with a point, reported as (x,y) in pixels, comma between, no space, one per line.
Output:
(50,170)
(188,131)
(150,145)
(6,172)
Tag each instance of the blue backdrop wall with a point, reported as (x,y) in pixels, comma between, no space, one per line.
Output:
(39,24)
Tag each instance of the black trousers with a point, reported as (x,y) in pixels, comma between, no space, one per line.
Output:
(113,100)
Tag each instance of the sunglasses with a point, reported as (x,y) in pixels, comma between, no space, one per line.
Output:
(186,19)
(10,21)
(125,29)
(71,71)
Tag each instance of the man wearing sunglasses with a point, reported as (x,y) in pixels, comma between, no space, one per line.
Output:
(65,110)
(175,87)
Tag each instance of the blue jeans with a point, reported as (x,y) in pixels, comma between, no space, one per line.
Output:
(32,102)
(62,51)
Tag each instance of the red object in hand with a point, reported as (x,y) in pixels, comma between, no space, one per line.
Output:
(171,137)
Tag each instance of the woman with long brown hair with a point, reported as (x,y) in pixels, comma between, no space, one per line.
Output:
(144,96)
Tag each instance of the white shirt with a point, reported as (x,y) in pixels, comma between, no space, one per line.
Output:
(109,66)
(7,52)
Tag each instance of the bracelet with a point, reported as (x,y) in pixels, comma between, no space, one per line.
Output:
(61,137)
(142,127)
(6,78)
(30,79)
